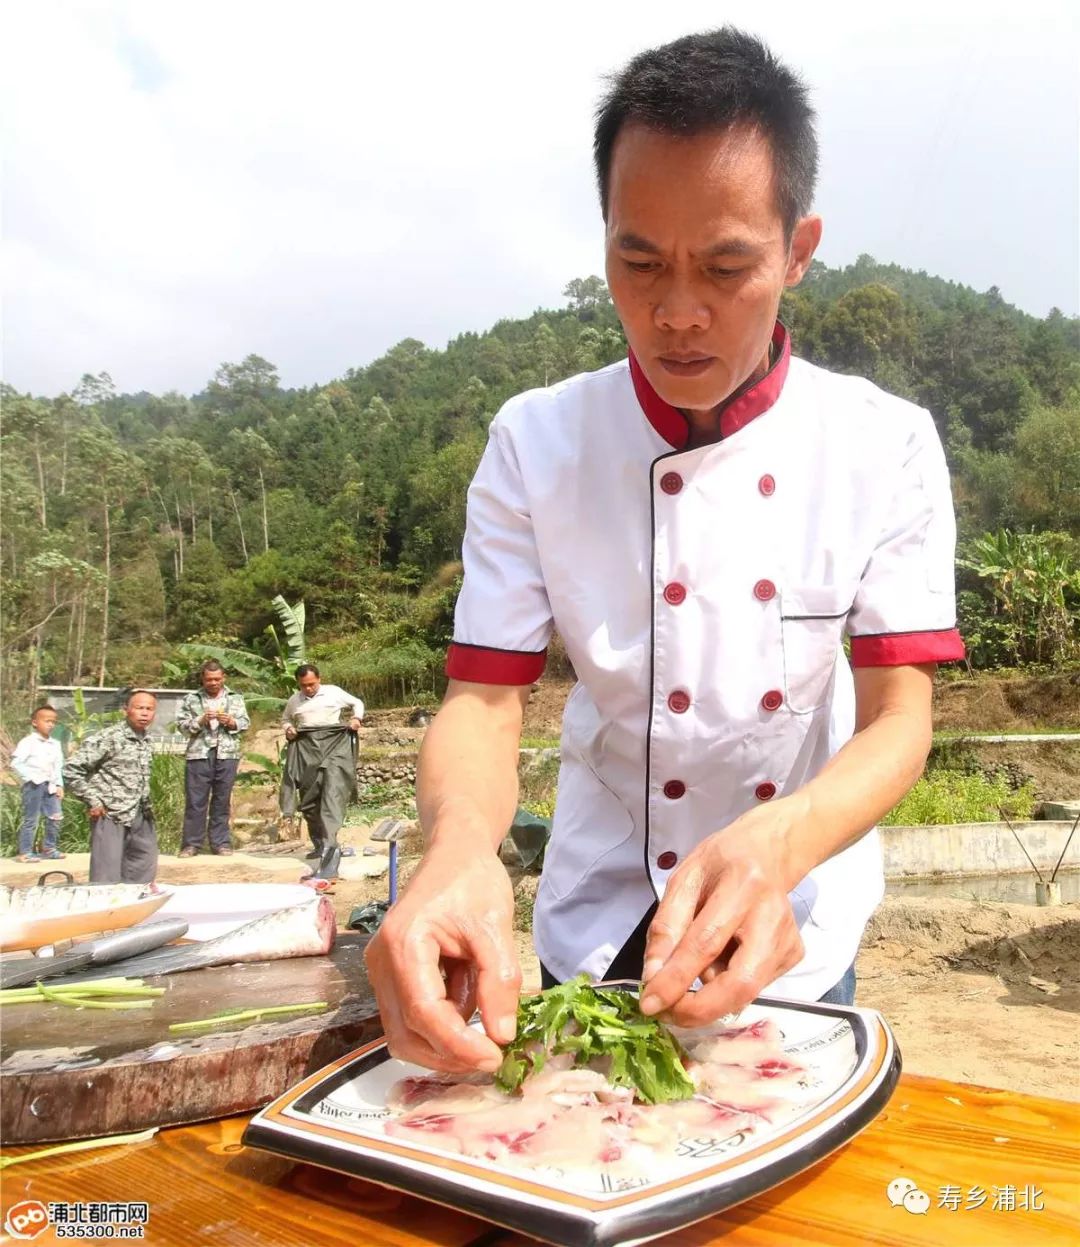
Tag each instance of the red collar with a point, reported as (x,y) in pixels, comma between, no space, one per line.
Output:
(672,425)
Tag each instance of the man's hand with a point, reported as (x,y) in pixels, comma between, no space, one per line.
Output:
(59,794)
(96,811)
(726,919)
(354,724)
(290,732)
(444,948)
(227,721)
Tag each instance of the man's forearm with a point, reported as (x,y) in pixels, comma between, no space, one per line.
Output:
(869,775)
(467,783)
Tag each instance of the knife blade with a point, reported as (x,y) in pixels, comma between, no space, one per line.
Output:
(21,971)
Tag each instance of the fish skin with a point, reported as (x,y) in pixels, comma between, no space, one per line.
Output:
(306,930)
(18,970)
(52,902)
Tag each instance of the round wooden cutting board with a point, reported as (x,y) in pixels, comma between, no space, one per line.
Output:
(79,1073)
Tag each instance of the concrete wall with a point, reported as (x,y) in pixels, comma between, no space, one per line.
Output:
(976,849)
(162,733)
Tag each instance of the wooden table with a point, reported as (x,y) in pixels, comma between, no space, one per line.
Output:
(202,1186)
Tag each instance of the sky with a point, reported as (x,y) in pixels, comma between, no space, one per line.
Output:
(188,183)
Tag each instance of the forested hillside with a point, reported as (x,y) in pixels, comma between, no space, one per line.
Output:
(134,522)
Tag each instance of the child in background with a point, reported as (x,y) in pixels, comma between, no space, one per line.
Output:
(39,763)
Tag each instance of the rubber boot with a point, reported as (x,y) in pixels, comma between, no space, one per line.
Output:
(328,863)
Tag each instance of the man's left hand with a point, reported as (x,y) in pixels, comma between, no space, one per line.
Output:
(227,721)
(354,724)
(726,919)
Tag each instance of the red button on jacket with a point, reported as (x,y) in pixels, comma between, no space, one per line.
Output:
(678,702)
(764,590)
(674,789)
(767,485)
(765,791)
(671,482)
(666,860)
(674,593)
(772,700)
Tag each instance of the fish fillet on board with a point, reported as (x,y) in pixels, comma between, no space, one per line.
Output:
(305,930)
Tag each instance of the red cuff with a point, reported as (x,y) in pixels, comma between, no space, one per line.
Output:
(901,649)
(479,665)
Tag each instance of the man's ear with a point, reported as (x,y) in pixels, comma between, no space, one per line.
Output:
(804,242)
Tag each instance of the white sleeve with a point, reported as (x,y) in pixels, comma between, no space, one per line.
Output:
(905,607)
(19,759)
(502,622)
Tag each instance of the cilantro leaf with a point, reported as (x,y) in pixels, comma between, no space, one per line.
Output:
(591,1022)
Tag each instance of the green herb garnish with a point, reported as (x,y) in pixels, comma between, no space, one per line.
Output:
(594,1022)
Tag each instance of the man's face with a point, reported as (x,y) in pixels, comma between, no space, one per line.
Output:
(140,711)
(309,683)
(697,259)
(213,682)
(44,722)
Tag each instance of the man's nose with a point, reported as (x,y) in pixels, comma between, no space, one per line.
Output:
(681,306)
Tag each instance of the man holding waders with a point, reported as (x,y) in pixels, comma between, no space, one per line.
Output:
(320,762)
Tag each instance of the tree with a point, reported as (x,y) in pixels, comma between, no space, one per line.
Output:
(251,453)
(179,469)
(33,422)
(94,391)
(587,295)
(235,384)
(546,350)
(437,503)
(112,475)
(1047,463)
(866,327)
(197,599)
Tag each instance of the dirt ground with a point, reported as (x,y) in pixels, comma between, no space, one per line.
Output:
(989,703)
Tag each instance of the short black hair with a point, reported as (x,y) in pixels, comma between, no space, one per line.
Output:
(307,668)
(715,81)
(38,709)
(211,664)
(134,692)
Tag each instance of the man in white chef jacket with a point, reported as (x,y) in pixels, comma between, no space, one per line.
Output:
(704,524)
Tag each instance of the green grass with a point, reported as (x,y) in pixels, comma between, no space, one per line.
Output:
(382,801)
(947,796)
(948,734)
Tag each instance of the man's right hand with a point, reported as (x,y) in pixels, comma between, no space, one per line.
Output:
(443,949)
(96,811)
(290,732)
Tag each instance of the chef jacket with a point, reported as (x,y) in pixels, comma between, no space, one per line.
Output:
(703,596)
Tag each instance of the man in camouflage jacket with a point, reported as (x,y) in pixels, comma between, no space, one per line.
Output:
(110,771)
(212,719)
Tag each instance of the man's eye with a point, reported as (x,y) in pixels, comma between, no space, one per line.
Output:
(724,272)
(641,266)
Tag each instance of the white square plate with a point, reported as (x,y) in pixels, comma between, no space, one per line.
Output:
(335,1118)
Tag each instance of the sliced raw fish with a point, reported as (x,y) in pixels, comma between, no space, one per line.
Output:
(737,1045)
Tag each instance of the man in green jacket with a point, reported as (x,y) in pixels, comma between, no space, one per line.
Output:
(212,719)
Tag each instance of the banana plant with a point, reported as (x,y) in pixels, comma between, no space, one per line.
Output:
(270,679)
(293,619)
(1034,584)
